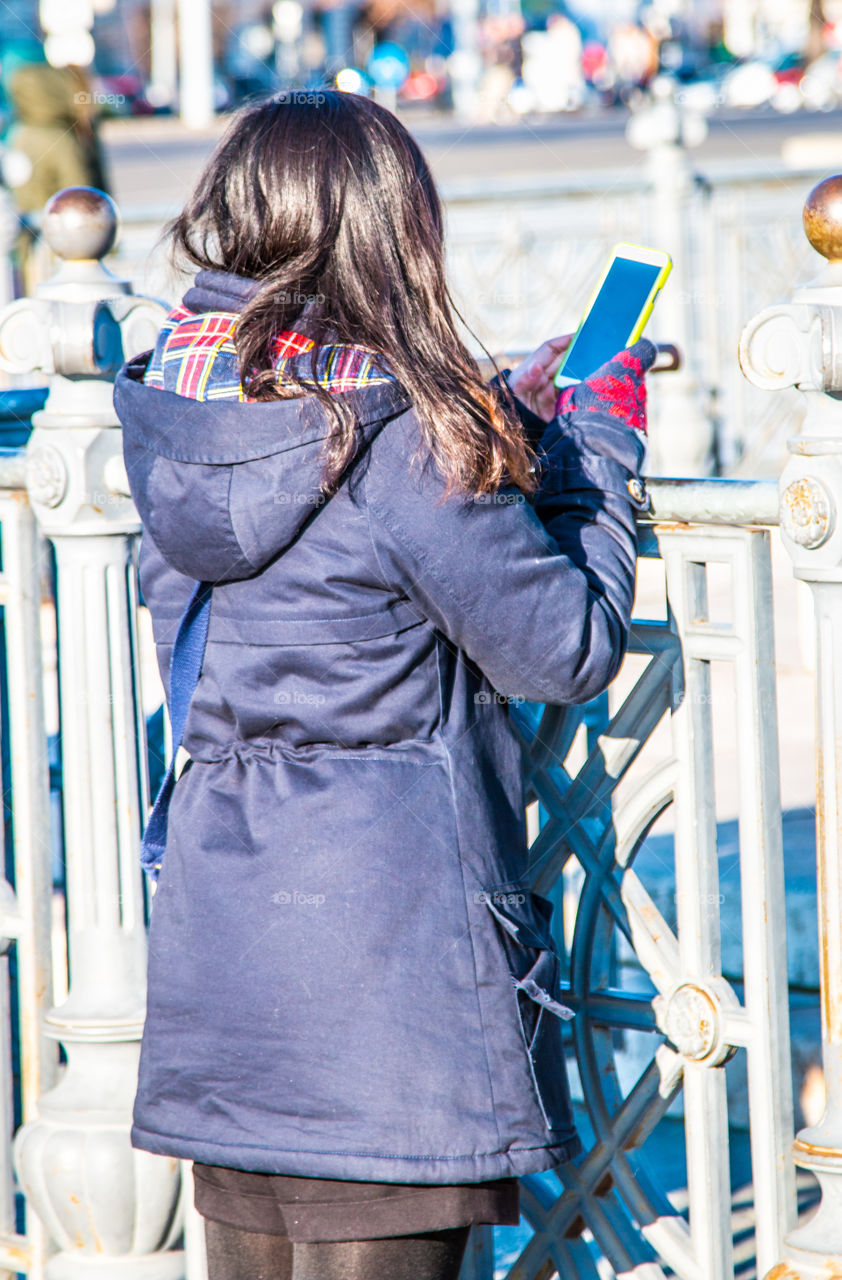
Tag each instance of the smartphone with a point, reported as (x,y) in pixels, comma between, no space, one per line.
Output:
(619,308)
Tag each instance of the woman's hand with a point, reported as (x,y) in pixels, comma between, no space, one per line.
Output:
(532,380)
(618,387)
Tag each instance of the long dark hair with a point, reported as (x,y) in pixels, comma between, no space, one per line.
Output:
(327,200)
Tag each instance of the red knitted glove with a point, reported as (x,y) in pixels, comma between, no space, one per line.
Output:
(618,387)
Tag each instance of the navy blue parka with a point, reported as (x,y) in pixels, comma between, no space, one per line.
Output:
(349,976)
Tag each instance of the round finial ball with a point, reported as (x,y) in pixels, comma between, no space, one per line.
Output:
(823,218)
(81,222)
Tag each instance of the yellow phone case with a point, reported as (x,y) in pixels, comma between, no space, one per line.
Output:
(646,310)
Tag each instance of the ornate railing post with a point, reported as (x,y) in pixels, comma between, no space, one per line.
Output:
(681,432)
(110,1209)
(800,345)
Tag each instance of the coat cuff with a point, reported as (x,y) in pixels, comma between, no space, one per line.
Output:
(599,453)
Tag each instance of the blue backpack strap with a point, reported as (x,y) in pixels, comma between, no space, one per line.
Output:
(186,659)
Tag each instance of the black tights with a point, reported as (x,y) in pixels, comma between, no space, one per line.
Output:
(236,1254)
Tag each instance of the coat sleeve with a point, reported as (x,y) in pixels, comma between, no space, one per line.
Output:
(536,591)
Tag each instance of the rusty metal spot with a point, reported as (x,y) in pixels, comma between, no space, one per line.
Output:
(577,1226)
(781,1272)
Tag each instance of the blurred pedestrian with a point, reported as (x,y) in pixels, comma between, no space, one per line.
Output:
(354,999)
(552,66)
(54,124)
(502,54)
(633,51)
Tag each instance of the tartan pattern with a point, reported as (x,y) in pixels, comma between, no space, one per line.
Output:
(195,356)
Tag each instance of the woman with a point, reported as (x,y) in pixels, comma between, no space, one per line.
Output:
(354,1005)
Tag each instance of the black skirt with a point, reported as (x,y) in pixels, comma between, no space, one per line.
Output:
(308,1210)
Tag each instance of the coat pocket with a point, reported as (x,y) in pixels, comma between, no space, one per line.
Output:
(523,919)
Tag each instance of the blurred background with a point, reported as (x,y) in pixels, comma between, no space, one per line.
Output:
(492,61)
(496,59)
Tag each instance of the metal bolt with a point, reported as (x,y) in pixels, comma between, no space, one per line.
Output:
(691,1021)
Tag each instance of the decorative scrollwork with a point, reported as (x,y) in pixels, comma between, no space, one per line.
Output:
(807,512)
(46,475)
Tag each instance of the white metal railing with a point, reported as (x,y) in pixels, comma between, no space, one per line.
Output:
(25,889)
(598,817)
(602,778)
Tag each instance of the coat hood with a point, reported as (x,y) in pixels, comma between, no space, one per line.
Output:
(225,486)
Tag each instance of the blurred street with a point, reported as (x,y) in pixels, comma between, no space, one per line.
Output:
(155,161)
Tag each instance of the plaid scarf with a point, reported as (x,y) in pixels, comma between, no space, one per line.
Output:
(195,356)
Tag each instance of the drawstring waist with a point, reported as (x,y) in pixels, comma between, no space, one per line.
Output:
(274,750)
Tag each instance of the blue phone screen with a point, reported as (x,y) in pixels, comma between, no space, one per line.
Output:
(612,316)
